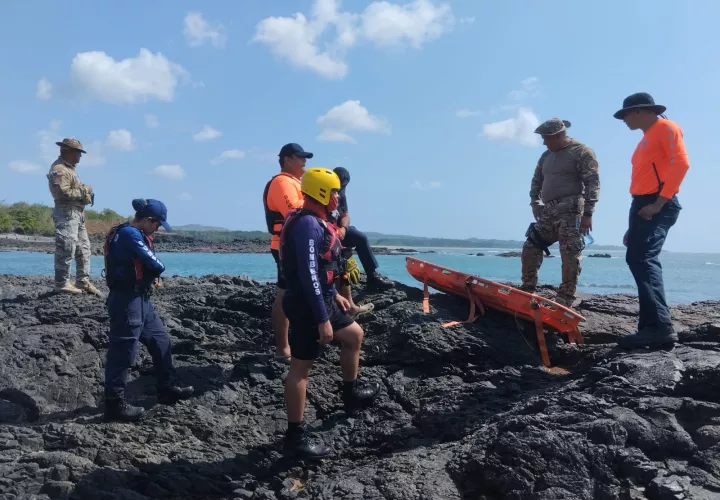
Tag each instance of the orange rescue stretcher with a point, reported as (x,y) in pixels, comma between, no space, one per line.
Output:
(543,312)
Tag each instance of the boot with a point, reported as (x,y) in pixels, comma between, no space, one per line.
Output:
(378,282)
(67,288)
(652,336)
(117,409)
(172,394)
(87,287)
(297,442)
(355,397)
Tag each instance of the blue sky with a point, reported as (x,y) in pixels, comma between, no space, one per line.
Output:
(190,102)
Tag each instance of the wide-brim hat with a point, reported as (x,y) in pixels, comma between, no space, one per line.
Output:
(640,100)
(71,143)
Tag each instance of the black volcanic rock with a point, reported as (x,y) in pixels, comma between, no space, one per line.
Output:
(464,412)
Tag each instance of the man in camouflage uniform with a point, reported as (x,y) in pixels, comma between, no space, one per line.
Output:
(566,180)
(71,238)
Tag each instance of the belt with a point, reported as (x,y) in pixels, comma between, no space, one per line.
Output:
(557,201)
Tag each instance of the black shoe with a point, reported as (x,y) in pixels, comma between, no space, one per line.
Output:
(379,282)
(116,409)
(173,394)
(360,397)
(652,336)
(297,442)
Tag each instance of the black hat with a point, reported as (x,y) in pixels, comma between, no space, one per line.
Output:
(641,100)
(294,149)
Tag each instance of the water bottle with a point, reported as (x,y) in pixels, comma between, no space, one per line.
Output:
(589,240)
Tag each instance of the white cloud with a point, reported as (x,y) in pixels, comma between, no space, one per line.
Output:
(185,197)
(151,121)
(121,140)
(422,186)
(172,172)
(230,154)
(347,117)
(49,151)
(207,134)
(519,129)
(297,39)
(197,31)
(466,113)
(24,167)
(44,89)
(528,88)
(96,75)
(467,20)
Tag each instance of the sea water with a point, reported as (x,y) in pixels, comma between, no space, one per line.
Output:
(688,277)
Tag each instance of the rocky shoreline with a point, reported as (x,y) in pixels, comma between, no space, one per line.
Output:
(465,412)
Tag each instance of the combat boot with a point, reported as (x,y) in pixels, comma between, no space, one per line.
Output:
(652,336)
(87,287)
(117,409)
(298,443)
(378,282)
(172,394)
(68,288)
(355,397)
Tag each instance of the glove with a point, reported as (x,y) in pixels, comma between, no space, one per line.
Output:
(87,194)
(92,199)
(352,273)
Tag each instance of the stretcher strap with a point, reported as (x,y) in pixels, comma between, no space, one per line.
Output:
(541,338)
(426,296)
(576,336)
(472,316)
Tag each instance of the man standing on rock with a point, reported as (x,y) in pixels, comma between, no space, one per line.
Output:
(659,165)
(566,179)
(282,194)
(71,238)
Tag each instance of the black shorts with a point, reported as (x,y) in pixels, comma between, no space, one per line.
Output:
(280,279)
(303,336)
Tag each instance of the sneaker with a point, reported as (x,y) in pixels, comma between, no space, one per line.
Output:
(172,394)
(361,397)
(117,409)
(652,336)
(87,287)
(68,288)
(297,442)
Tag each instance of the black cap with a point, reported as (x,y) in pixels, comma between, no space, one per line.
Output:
(293,149)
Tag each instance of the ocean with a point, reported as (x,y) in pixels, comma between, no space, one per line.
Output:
(689,277)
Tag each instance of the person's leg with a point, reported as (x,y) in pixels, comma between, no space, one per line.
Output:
(532,255)
(279,320)
(155,337)
(358,240)
(66,230)
(126,320)
(571,244)
(82,259)
(645,241)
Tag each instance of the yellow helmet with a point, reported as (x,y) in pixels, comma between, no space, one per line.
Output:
(318,183)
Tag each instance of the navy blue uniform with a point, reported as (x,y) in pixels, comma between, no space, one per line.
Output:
(132,266)
(310,296)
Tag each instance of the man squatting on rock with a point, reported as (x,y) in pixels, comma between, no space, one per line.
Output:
(566,179)
(71,238)
(311,260)
(131,270)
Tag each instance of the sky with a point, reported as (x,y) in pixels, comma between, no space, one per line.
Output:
(430,104)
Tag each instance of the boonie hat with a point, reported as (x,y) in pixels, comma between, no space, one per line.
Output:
(639,100)
(71,143)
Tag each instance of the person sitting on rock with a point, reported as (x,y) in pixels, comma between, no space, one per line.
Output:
(310,259)
(131,270)
(353,238)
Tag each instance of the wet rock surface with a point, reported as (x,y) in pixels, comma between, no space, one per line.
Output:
(464,412)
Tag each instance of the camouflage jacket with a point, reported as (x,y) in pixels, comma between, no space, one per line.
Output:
(65,186)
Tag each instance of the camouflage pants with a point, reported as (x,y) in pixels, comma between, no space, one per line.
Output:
(71,240)
(557,223)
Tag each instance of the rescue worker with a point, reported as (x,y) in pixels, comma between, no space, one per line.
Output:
(71,238)
(282,194)
(353,238)
(659,165)
(310,259)
(567,181)
(131,271)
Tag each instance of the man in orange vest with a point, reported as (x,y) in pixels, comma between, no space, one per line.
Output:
(659,165)
(282,194)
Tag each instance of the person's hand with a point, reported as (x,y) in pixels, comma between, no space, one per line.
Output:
(649,211)
(586,224)
(537,210)
(341,233)
(352,272)
(326,332)
(625,238)
(342,302)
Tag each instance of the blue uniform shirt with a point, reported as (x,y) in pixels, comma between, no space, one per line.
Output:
(129,253)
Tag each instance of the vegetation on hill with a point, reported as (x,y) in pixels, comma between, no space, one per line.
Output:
(36,219)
